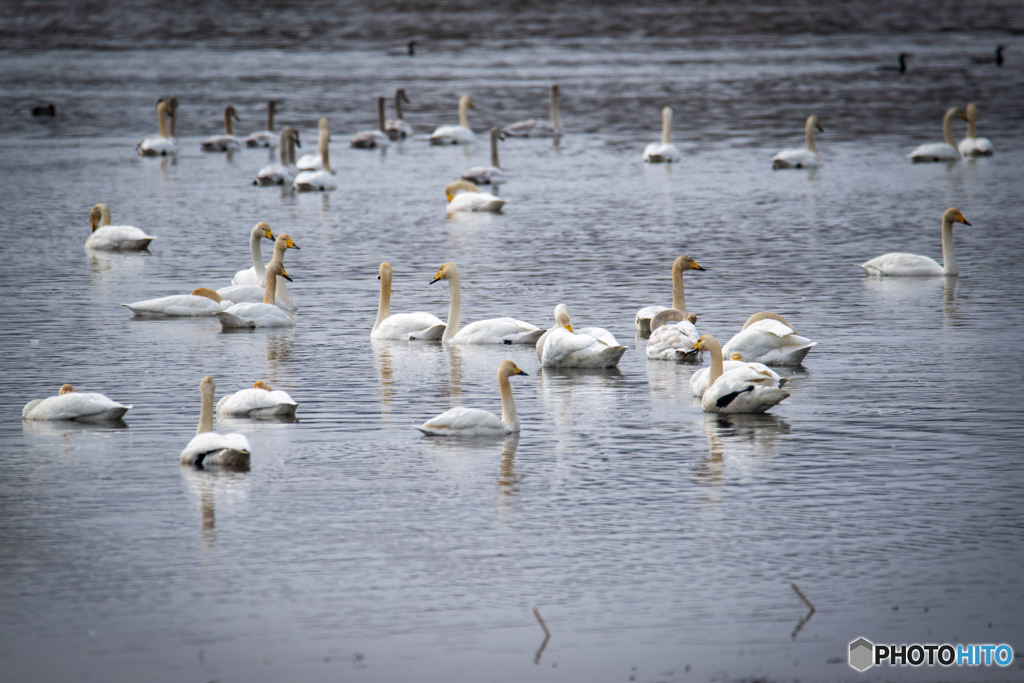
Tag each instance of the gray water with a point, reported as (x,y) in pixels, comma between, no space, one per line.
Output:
(659,543)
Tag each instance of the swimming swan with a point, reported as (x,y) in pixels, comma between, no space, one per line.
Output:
(644,315)
(767,338)
(265,138)
(972,146)
(254,293)
(456,135)
(563,347)
(807,157)
(493,331)
(699,380)
(531,128)
(107,237)
(201,302)
(461,421)
(322,180)
(373,139)
(913,265)
(161,144)
(406,326)
(264,314)
(69,404)
(673,335)
(283,173)
(941,151)
(488,175)
(227,142)
(257,274)
(260,401)
(664,151)
(739,390)
(463,196)
(312,162)
(397,128)
(208,448)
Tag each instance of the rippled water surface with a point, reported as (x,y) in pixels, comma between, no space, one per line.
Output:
(658,543)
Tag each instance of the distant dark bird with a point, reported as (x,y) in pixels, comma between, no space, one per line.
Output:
(412,49)
(902,67)
(997,60)
(48,110)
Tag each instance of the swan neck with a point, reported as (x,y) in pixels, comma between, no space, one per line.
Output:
(666,126)
(463,108)
(811,144)
(228,128)
(508,404)
(494,148)
(323,146)
(947,128)
(284,142)
(556,119)
(105,213)
(270,118)
(398,107)
(678,294)
(949,266)
(291,151)
(454,306)
(380,113)
(257,253)
(715,350)
(972,126)
(206,410)
(162,121)
(384,307)
(270,296)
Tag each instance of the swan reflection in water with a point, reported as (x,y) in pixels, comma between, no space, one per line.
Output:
(585,390)
(508,482)
(204,487)
(738,436)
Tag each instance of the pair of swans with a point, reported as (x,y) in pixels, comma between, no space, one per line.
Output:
(397,128)
(259,402)
(262,314)
(915,265)
(461,134)
(265,138)
(464,196)
(252,283)
(665,151)
(373,139)
(488,175)
(227,142)
(163,143)
(531,128)
(462,421)
(743,388)
(590,347)
(321,180)
(807,157)
(69,404)
(282,173)
(107,237)
(208,448)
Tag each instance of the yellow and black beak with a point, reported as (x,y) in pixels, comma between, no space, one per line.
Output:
(435,279)
(520,372)
(568,326)
(292,245)
(269,235)
(964,220)
(696,267)
(284,274)
(821,128)
(94,224)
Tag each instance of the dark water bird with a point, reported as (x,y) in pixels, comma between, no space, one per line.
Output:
(997,59)
(412,48)
(902,64)
(48,110)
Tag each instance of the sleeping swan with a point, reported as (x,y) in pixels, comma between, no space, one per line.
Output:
(563,347)
(644,315)
(72,405)
(264,314)
(406,326)
(461,421)
(107,237)
(673,335)
(664,151)
(456,135)
(807,157)
(767,338)
(463,196)
(972,146)
(914,265)
(493,331)
(208,448)
(201,301)
(260,401)
(739,390)
(941,151)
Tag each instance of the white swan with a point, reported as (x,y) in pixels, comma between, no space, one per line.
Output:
(461,421)
(768,338)
(264,138)
(373,139)
(972,146)
(493,331)
(644,315)
(463,196)
(914,265)
(107,237)
(283,173)
(456,135)
(257,275)
(201,302)
(397,128)
(322,180)
(699,380)
(531,128)
(941,151)
(260,401)
(313,162)
(664,151)
(488,175)
(807,157)
(208,448)
(264,314)
(405,326)
(69,404)
(227,142)
(161,144)
(673,335)
(563,347)
(739,390)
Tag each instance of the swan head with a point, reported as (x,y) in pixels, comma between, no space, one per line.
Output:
(972,113)
(293,135)
(229,112)
(736,355)
(260,384)
(706,343)
(400,95)
(691,318)
(813,123)
(384,272)
(208,293)
(285,239)
(322,124)
(466,102)
(277,268)
(452,189)
(952,215)
(446,272)
(684,262)
(955,112)
(562,316)
(272,106)
(207,387)
(66,389)
(508,368)
(99,215)
(262,227)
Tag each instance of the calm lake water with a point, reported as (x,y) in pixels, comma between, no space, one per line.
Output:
(659,543)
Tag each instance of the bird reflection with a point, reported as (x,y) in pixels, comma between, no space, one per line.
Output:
(560,386)
(709,472)
(454,389)
(279,347)
(950,311)
(740,435)
(382,350)
(508,482)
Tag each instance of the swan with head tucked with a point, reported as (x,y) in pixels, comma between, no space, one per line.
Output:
(264,314)
(208,448)
(644,315)
(973,146)
(322,180)
(397,128)
(283,173)
(664,151)
(227,142)
(739,390)
(807,157)
(313,162)
(531,128)
(488,175)
(69,404)
(463,196)
(461,421)
(260,401)
(406,326)
(699,380)
(373,139)
(254,293)
(673,335)
(456,135)
(915,265)
(493,331)
(941,151)
(768,338)
(201,302)
(591,347)
(264,138)
(161,144)
(107,237)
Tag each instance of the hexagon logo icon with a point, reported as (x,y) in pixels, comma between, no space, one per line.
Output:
(862,653)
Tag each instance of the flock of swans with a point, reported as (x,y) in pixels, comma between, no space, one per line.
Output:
(739,379)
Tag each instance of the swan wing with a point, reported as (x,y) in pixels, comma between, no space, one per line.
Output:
(670,341)
(75,405)
(560,342)
(657,152)
(118,238)
(370,139)
(310,162)
(264,138)
(530,128)
(315,181)
(211,448)
(498,331)
(905,265)
(255,315)
(276,174)
(452,135)
(178,305)
(599,333)
(796,158)
(475,201)
(400,126)
(741,390)
(155,145)
(769,344)
(244,402)
(251,294)
(938,151)
(461,421)
(407,326)
(485,175)
(221,143)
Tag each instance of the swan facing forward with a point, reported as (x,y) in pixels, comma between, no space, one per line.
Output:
(162,144)
(493,331)
(373,139)
(699,380)
(405,326)
(740,390)
(264,138)
(107,237)
(531,128)
(264,314)
(260,401)
(664,151)
(644,315)
(69,404)
(463,196)
(208,448)
(254,293)
(807,157)
(972,146)
(563,347)
(915,265)
(941,151)
(767,338)
(200,302)
(397,128)
(227,142)
(461,134)
(322,180)
(673,336)
(461,421)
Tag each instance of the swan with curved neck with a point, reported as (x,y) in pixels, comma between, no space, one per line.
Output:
(227,142)
(941,151)
(563,347)
(373,139)
(644,315)
(398,128)
(461,421)
(531,128)
(488,175)
(973,146)
(107,237)
(264,138)
(284,172)
(741,389)
(322,180)
(493,331)
(257,274)
(914,265)
(461,134)
(464,196)
(265,314)
(161,144)
(405,326)
(208,448)
(664,151)
(807,157)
